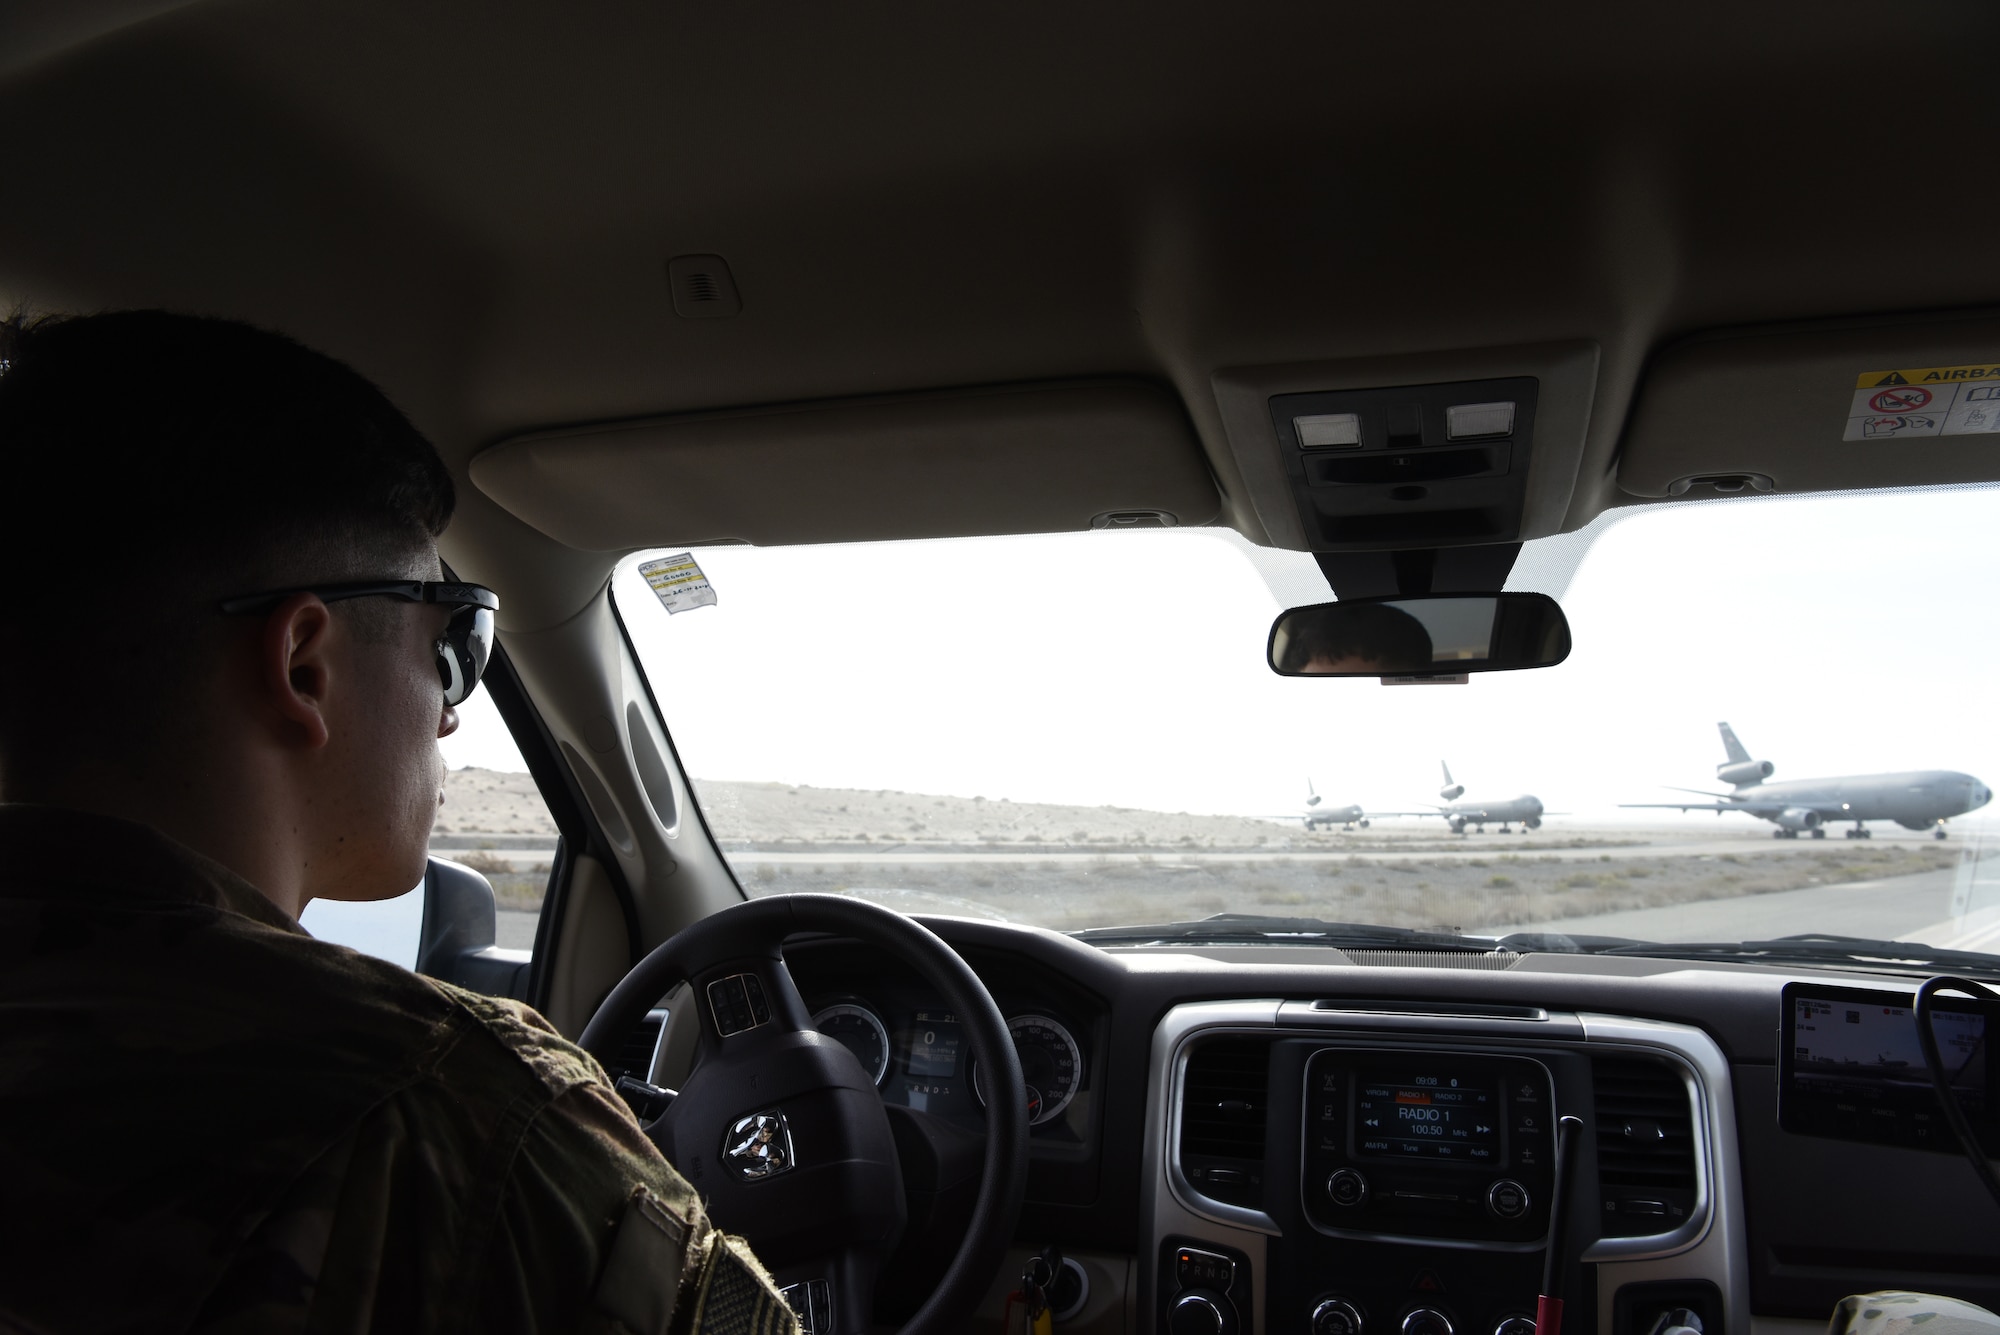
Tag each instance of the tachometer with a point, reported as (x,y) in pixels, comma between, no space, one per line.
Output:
(1051,1066)
(861,1032)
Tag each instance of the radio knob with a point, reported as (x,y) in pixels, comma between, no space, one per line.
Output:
(1507,1199)
(1198,1313)
(1515,1325)
(1336,1317)
(1347,1188)
(1427,1321)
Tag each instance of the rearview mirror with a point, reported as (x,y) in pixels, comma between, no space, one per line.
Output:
(1432,635)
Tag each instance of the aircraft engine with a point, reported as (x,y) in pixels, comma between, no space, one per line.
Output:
(1918,824)
(1798,818)
(1451,792)
(1533,822)
(1745,771)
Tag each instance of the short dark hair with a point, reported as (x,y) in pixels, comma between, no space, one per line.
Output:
(151,462)
(1374,631)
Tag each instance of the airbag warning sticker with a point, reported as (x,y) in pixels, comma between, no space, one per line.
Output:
(679,582)
(1929,401)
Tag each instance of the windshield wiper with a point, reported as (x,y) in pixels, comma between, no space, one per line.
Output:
(1228,928)
(1818,948)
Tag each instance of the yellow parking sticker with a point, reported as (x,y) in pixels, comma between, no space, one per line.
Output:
(679,582)
(1926,401)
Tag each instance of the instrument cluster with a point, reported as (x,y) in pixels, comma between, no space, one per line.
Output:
(919,1056)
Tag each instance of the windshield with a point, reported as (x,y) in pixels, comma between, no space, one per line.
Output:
(1081,731)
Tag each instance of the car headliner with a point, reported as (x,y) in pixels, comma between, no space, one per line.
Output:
(475,205)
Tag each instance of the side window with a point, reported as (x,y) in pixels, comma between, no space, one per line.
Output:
(493,820)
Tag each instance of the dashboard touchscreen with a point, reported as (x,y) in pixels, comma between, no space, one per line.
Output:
(1853,1069)
(1426,1116)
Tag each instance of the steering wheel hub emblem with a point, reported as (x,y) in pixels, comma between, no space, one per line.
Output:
(759,1145)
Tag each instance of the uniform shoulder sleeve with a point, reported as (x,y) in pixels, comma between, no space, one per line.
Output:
(593,1226)
(595,1230)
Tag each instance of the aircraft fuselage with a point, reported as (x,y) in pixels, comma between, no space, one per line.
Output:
(1917,799)
(1525,809)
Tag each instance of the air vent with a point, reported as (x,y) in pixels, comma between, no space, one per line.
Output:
(703,287)
(1223,1104)
(1434,959)
(635,1054)
(1646,1167)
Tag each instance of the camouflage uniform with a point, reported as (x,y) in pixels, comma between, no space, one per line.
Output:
(1897,1313)
(209,1121)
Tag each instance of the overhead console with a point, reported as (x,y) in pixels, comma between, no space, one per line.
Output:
(1424,452)
(1410,466)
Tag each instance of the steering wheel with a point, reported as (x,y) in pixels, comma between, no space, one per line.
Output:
(784,1134)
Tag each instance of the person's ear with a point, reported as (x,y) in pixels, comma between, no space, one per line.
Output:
(295,653)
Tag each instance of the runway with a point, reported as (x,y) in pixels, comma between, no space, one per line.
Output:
(1955,909)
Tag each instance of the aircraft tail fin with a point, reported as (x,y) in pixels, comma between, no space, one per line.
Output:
(1737,755)
(1312,798)
(1452,790)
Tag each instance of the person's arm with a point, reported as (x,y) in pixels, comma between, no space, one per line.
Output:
(595,1231)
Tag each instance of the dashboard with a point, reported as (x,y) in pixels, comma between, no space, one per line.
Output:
(1298,1139)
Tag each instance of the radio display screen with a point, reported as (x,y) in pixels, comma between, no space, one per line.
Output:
(1423,1116)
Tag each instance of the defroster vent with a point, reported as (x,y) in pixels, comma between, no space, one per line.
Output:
(1646,1165)
(1224,1102)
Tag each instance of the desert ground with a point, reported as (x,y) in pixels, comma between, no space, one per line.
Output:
(1070,867)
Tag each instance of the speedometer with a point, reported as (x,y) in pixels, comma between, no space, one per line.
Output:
(861,1032)
(1051,1066)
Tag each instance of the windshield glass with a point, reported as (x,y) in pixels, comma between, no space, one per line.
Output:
(1082,731)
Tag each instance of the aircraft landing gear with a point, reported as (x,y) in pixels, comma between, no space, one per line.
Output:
(1860,831)
(1938,833)
(1819,833)
(1782,833)
(1506,829)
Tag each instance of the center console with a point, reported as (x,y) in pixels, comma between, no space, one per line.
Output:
(1428,1145)
(1330,1173)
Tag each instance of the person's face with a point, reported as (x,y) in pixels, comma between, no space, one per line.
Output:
(386,773)
(1350,662)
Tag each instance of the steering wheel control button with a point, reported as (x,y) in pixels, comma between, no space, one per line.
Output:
(758,1146)
(1197,1269)
(1507,1199)
(1201,1314)
(1515,1325)
(738,1003)
(1336,1316)
(1427,1321)
(1347,1188)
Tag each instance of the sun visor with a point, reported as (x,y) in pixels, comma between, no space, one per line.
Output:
(1821,407)
(1032,459)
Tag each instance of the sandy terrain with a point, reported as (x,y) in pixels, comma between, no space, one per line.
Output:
(485,801)
(1072,867)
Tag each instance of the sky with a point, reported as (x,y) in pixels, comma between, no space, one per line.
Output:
(1838,635)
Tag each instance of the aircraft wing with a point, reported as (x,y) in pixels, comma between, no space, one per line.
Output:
(1750,808)
(1685,806)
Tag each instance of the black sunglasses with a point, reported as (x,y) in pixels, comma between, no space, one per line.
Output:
(462,650)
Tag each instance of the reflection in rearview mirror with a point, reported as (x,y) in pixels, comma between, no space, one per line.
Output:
(1431,634)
